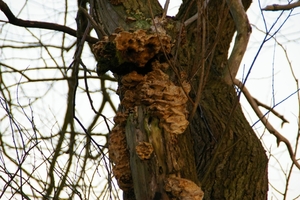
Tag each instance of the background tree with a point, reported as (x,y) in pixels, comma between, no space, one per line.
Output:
(185,53)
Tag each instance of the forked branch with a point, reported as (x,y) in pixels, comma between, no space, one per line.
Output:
(266,123)
(243,30)
(272,111)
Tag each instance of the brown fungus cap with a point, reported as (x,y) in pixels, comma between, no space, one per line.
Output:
(139,47)
(119,155)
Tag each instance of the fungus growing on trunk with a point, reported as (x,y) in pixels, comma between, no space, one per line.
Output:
(163,101)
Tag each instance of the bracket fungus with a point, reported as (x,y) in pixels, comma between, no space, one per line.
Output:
(139,47)
(183,189)
(125,51)
(119,155)
(163,98)
(160,97)
(144,150)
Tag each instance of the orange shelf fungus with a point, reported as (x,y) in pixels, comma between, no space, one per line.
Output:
(139,47)
(126,54)
(119,155)
(180,188)
(144,150)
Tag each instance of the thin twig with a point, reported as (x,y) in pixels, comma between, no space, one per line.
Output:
(201,25)
(91,101)
(195,17)
(100,32)
(271,110)
(12,19)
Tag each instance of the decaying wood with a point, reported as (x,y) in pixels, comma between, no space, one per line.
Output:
(153,113)
(153,95)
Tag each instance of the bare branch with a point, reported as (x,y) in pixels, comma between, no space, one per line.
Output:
(276,7)
(264,120)
(36,24)
(100,32)
(243,29)
(271,110)
(194,17)
(191,19)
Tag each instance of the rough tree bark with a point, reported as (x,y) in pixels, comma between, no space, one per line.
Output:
(180,125)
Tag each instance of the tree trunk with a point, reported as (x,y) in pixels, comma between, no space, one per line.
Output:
(157,66)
